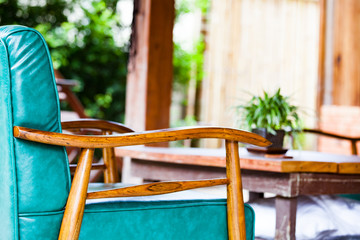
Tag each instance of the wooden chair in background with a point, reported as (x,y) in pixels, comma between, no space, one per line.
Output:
(64,87)
(352,140)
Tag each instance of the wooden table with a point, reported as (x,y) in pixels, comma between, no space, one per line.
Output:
(307,173)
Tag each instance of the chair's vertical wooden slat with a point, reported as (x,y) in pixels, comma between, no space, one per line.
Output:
(74,210)
(111,172)
(235,201)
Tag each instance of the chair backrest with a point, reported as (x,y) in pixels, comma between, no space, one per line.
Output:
(34,177)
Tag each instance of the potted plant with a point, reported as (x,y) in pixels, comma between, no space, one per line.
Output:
(271,117)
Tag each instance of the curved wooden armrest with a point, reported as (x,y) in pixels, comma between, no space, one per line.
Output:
(96,124)
(333,135)
(141,138)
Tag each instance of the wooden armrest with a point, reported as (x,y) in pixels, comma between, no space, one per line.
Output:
(128,139)
(353,140)
(333,135)
(96,124)
(70,227)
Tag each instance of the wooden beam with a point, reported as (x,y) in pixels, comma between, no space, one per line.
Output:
(346,83)
(150,71)
(321,67)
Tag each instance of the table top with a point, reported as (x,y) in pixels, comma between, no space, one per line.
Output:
(300,161)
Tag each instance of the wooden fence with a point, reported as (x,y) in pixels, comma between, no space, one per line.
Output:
(256,45)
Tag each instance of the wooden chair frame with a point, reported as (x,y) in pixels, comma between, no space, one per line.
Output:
(353,140)
(71,223)
(66,94)
(99,127)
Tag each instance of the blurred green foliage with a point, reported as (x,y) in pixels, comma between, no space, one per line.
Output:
(80,35)
(52,11)
(184,61)
(187,63)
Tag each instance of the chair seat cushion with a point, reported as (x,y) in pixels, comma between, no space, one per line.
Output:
(189,214)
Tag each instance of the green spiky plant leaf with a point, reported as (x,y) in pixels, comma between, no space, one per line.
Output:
(271,112)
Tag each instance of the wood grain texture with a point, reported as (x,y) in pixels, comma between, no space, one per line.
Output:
(155,188)
(302,161)
(74,210)
(96,124)
(346,58)
(128,139)
(321,183)
(349,168)
(308,166)
(296,184)
(235,200)
(111,174)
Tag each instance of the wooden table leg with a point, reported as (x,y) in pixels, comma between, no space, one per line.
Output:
(285,218)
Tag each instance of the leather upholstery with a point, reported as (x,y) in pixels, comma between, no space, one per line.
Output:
(35,178)
(183,215)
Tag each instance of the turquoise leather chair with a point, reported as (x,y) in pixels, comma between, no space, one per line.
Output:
(35,179)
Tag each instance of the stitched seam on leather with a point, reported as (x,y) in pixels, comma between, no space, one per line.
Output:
(12,146)
(41,213)
(154,208)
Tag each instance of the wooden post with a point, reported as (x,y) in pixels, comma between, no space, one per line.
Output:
(321,67)
(346,83)
(150,71)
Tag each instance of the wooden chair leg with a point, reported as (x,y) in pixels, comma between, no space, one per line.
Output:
(353,148)
(111,174)
(235,200)
(74,210)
